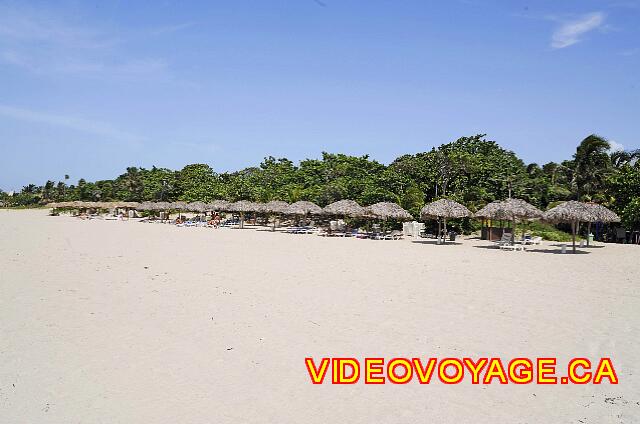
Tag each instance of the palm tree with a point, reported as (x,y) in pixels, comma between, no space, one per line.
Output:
(620,158)
(592,164)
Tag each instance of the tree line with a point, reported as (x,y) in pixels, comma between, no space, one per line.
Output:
(471,170)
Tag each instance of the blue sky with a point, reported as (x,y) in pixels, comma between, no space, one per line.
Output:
(89,88)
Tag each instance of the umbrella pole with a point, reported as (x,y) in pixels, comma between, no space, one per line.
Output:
(573,230)
(513,231)
(444,240)
(588,232)
(241,220)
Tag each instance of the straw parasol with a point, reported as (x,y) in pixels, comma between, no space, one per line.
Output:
(147,206)
(346,208)
(128,205)
(243,206)
(444,208)
(162,206)
(510,209)
(572,212)
(388,210)
(179,206)
(303,208)
(274,207)
(603,214)
(196,206)
(218,205)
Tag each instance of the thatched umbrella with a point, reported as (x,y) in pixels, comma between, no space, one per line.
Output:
(388,210)
(242,206)
(510,209)
(345,208)
(147,206)
(162,207)
(602,214)
(218,205)
(129,205)
(179,206)
(106,205)
(196,206)
(444,208)
(53,206)
(573,212)
(126,205)
(274,207)
(303,208)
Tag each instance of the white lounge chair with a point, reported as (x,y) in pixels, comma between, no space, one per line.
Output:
(534,240)
(506,239)
(512,247)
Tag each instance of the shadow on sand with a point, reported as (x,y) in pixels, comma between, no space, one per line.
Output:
(534,249)
(435,242)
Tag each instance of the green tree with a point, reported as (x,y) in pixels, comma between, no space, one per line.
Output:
(197,182)
(592,165)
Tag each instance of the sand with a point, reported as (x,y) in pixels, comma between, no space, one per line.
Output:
(125,322)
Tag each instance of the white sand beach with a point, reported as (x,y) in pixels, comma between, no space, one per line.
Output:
(125,322)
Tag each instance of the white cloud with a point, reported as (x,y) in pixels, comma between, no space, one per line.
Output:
(615,146)
(170,29)
(570,32)
(78,124)
(45,43)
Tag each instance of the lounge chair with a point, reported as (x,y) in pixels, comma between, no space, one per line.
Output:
(512,247)
(393,235)
(534,240)
(505,240)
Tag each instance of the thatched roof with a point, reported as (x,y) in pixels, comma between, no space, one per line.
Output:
(130,205)
(570,211)
(602,213)
(179,206)
(162,206)
(347,208)
(218,205)
(509,209)
(388,210)
(197,206)
(243,206)
(444,208)
(303,207)
(274,206)
(146,206)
